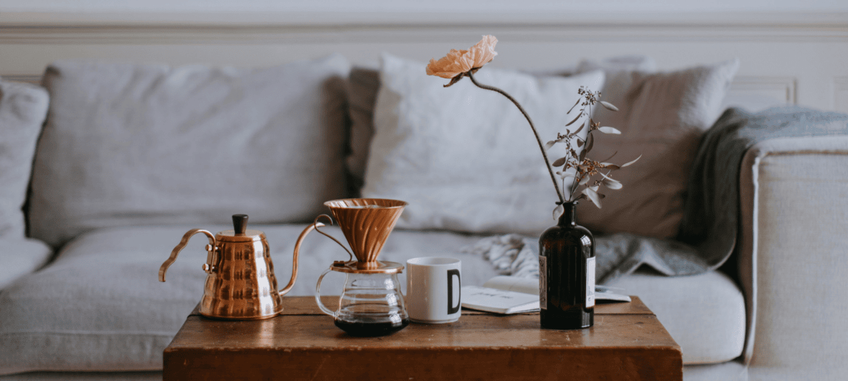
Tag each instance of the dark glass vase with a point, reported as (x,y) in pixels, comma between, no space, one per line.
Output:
(567,274)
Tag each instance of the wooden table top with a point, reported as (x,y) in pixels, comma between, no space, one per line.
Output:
(626,342)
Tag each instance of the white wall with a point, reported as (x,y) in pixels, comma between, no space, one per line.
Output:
(440,6)
(791,51)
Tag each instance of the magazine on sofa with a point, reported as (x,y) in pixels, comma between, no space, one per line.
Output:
(512,295)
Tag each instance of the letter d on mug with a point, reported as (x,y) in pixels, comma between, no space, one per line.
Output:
(433,290)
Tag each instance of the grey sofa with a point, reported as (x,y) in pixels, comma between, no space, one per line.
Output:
(129,157)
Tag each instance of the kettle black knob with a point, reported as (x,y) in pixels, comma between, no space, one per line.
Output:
(239,223)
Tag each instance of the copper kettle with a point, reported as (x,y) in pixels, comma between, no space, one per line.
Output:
(240,283)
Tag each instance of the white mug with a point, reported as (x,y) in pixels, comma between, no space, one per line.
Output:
(433,290)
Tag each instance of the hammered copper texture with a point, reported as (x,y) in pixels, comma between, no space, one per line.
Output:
(240,281)
(243,286)
(366,223)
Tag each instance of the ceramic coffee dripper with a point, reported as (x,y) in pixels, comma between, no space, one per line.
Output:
(240,283)
(371,303)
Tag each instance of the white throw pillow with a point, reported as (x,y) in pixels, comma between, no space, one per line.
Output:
(662,117)
(465,158)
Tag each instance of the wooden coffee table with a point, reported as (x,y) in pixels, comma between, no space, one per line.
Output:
(626,343)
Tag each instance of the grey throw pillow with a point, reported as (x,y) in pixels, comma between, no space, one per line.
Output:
(129,144)
(23,108)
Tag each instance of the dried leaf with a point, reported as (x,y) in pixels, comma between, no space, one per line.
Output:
(611,156)
(578,130)
(575,105)
(611,183)
(609,130)
(590,142)
(582,155)
(593,196)
(559,162)
(575,119)
(579,143)
(584,180)
(631,162)
(558,211)
(549,144)
(609,106)
(610,166)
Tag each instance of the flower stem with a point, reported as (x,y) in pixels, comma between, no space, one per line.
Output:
(535,133)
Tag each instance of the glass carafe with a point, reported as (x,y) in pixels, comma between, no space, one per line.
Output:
(371,304)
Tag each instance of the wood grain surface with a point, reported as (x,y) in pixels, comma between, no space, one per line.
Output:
(626,343)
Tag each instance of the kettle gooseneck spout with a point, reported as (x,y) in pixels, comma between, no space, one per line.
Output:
(297,244)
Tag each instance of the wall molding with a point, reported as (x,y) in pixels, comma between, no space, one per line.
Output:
(330,27)
(34,79)
(778,88)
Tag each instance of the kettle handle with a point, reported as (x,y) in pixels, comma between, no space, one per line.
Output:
(211,248)
(315,225)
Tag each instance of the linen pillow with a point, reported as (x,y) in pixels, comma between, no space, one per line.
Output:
(23,108)
(364,83)
(132,144)
(465,158)
(362,88)
(662,117)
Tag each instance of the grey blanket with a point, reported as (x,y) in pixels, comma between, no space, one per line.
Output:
(710,224)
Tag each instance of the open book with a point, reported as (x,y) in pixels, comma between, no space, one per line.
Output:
(511,295)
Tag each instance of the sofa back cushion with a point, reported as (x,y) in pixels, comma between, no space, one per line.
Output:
(23,108)
(662,117)
(129,144)
(465,158)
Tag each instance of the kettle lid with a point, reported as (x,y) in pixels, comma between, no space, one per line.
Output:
(240,233)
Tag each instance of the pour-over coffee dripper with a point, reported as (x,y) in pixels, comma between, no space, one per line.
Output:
(371,303)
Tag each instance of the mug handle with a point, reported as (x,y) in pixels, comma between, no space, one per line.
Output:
(323,308)
(451,308)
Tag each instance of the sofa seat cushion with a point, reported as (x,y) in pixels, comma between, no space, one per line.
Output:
(704,313)
(21,257)
(99,306)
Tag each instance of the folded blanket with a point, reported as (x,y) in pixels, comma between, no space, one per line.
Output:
(710,224)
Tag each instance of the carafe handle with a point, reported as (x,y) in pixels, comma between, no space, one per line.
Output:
(323,308)
(211,248)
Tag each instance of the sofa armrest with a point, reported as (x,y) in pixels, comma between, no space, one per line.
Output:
(20,257)
(792,263)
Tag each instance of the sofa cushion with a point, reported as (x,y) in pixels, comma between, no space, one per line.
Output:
(705,313)
(129,144)
(662,117)
(20,257)
(23,108)
(99,306)
(465,158)
(362,88)
(364,83)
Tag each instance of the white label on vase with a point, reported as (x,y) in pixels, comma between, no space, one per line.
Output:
(590,282)
(543,282)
